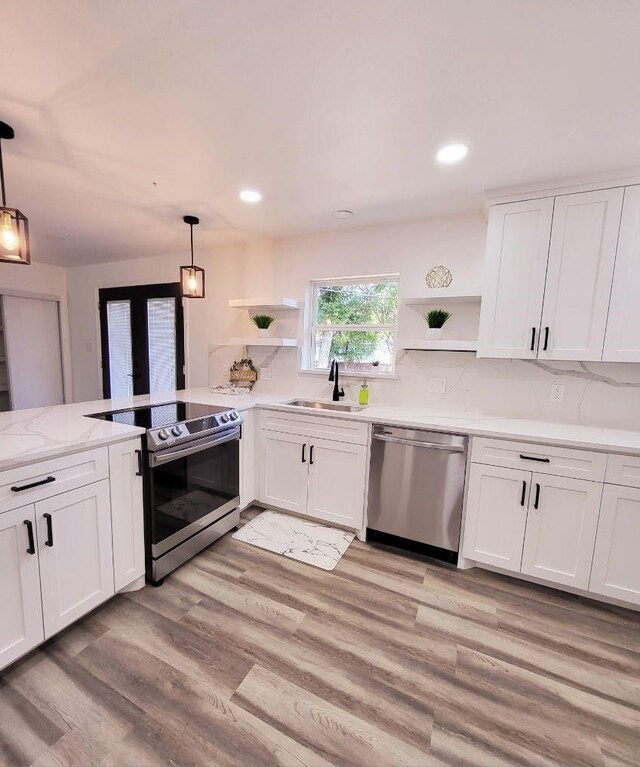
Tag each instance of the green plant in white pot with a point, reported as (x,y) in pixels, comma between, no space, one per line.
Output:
(436,319)
(263,322)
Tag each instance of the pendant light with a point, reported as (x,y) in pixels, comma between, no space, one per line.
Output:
(192,277)
(14,227)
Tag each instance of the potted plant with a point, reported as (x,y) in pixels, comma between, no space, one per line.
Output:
(435,321)
(263,322)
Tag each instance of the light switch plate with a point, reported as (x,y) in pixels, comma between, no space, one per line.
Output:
(557,393)
(264,374)
(437,385)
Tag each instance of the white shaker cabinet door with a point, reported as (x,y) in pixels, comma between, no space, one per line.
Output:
(496,515)
(622,339)
(127,515)
(561,529)
(284,470)
(582,256)
(20,601)
(337,474)
(516,264)
(76,553)
(616,559)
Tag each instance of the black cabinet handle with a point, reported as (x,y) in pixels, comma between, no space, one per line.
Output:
(533,339)
(534,458)
(139,454)
(311,456)
(49,541)
(535,503)
(16,489)
(524,492)
(304,447)
(32,545)
(546,339)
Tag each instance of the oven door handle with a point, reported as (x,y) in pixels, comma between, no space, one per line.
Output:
(165,456)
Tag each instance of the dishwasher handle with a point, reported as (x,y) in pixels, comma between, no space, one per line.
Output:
(417,443)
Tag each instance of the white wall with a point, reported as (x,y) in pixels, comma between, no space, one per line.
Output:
(44,279)
(595,393)
(204,319)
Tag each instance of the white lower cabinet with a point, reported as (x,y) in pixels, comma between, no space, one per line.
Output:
(20,602)
(75,552)
(284,470)
(127,514)
(306,474)
(616,560)
(336,482)
(568,531)
(561,529)
(496,515)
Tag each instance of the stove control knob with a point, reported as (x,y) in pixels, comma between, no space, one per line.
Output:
(176,431)
(224,418)
(163,434)
(233,415)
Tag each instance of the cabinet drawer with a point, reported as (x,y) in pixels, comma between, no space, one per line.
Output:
(623,470)
(59,475)
(544,459)
(322,427)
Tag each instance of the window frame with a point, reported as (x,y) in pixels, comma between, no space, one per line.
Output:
(312,327)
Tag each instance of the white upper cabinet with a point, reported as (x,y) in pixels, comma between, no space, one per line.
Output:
(582,255)
(517,249)
(549,271)
(622,340)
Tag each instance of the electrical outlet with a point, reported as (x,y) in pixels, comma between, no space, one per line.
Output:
(264,374)
(225,370)
(557,393)
(437,385)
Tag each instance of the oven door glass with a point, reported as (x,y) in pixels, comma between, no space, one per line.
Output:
(189,493)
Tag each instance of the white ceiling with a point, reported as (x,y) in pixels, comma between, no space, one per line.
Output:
(130,113)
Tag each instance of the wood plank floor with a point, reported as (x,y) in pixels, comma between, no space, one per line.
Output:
(246,658)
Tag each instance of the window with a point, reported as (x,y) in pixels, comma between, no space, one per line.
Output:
(354,321)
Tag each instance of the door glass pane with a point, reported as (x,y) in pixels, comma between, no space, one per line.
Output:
(161,319)
(120,360)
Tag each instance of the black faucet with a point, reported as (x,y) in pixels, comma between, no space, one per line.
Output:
(333,376)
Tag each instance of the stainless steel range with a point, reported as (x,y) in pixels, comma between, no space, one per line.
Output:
(191,467)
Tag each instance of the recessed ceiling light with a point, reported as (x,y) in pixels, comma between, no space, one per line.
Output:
(250,195)
(342,213)
(451,153)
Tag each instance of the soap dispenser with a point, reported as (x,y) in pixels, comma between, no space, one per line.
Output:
(363,396)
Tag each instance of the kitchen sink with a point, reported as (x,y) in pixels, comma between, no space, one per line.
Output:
(343,408)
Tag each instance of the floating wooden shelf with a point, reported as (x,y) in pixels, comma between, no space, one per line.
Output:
(255,341)
(269,304)
(439,346)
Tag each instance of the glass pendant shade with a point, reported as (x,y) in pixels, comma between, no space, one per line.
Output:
(14,236)
(192,281)
(14,226)
(191,276)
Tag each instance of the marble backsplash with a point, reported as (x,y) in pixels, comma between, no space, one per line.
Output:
(595,394)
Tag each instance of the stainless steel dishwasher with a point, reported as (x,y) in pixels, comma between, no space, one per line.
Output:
(416,484)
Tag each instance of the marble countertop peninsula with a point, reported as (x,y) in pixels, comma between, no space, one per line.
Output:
(34,434)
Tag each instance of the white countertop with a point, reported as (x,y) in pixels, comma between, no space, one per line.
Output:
(29,435)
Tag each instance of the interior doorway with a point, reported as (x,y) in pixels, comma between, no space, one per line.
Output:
(142,339)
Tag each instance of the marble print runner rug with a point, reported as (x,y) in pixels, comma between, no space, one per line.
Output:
(296,538)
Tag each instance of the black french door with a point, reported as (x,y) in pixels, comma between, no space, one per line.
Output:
(142,339)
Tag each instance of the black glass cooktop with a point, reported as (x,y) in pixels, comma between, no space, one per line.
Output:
(155,416)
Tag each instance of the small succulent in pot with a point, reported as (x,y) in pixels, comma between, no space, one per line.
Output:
(263,322)
(436,319)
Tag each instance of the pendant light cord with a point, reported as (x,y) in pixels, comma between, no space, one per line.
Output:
(4,194)
(190,227)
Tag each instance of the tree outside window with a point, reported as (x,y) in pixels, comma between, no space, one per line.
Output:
(354,322)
